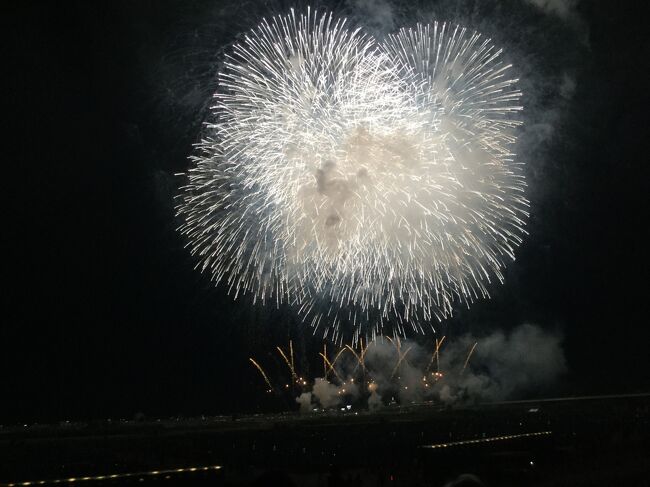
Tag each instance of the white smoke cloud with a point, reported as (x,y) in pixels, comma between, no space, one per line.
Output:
(377,15)
(567,12)
(565,9)
(326,393)
(567,86)
(374,401)
(526,360)
(305,402)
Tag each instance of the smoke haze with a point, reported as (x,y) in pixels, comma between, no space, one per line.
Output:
(497,366)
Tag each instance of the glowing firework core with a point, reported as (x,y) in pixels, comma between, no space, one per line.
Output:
(364,183)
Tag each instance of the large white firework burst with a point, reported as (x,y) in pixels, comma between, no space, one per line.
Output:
(372,185)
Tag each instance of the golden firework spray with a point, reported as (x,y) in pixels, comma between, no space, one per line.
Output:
(258,367)
(286,360)
(468,357)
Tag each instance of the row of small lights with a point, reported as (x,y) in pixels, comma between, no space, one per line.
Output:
(485,440)
(113,476)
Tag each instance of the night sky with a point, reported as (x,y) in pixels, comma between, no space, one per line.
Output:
(104,314)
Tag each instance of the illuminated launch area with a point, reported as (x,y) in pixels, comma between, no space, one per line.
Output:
(371,185)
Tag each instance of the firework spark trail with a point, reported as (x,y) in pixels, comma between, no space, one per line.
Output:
(359,360)
(336,357)
(395,343)
(370,185)
(401,358)
(294,376)
(435,356)
(331,368)
(468,357)
(438,345)
(266,379)
(364,349)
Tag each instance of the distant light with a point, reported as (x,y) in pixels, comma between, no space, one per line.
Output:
(140,476)
(485,440)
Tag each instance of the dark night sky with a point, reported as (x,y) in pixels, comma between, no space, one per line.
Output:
(104,314)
